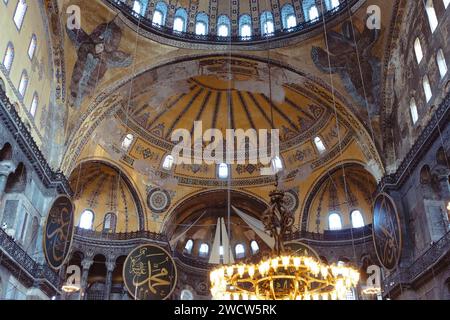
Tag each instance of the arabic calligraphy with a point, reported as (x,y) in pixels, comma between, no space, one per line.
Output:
(149,273)
(58,232)
(386,231)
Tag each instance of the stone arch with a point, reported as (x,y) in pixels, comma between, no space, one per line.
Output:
(17,181)
(6,153)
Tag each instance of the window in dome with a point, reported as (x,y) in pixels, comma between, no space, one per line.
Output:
(109,223)
(32,46)
(442,64)
(418,50)
(288,16)
(267,25)
(204,250)
(240,251)
(331,4)
(160,13)
(168,162)
(201,25)
(319,145)
(137,7)
(357,219)
(9,57)
(186,295)
(19,15)
(188,246)
(34,104)
(413,111)
(427,88)
(223,171)
(431,13)
(23,84)
(313,13)
(245,26)
(180,21)
(221,251)
(255,247)
(86,220)
(223,26)
(127,141)
(334,222)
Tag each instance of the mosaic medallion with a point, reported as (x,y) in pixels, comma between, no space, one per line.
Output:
(149,273)
(158,200)
(387,235)
(58,232)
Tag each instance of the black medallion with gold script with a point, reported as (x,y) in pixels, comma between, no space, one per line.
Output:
(150,273)
(387,235)
(58,232)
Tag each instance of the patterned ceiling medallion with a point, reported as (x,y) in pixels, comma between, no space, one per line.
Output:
(291,201)
(58,232)
(387,234)
(150,273)
(158,200)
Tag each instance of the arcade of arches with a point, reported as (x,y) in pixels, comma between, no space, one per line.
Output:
(95,95)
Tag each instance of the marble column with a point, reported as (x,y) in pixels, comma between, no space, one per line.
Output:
(110,266)
(86,265)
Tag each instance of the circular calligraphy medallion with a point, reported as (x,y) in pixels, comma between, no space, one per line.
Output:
(150,273)
(387,236)
(58,232)
(158,200)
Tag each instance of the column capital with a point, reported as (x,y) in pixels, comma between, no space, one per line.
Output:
(7,167)
(110,266)
(87,263)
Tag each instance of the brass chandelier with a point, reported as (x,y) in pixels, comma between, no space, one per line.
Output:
(284,275)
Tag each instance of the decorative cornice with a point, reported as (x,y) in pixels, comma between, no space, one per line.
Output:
(11,120)
(439,120)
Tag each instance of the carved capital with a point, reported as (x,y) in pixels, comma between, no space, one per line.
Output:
(87,263)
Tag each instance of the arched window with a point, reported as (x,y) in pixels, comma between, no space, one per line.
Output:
(23,84)
(255,247)
(442,64)
(334,222)
(431,13)
(160,13)
(277,164)
(221,251)
(223,171)
(245,26)
(86,220)
(319,145)
(180,20)
(331,4)
(19,14)
(413,111)
(418,50)
(188,246)
(240,251)
(357,219)
(168,162)
(446,3)
(32,46)
(201,24)
(427,88)
(127,141)
(110,222)
(34,104)
(223,26)
(288,16)
(9,57)
(204,250)
(267,25)
(138,8)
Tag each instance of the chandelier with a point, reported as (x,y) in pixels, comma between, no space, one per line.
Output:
(284,275)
